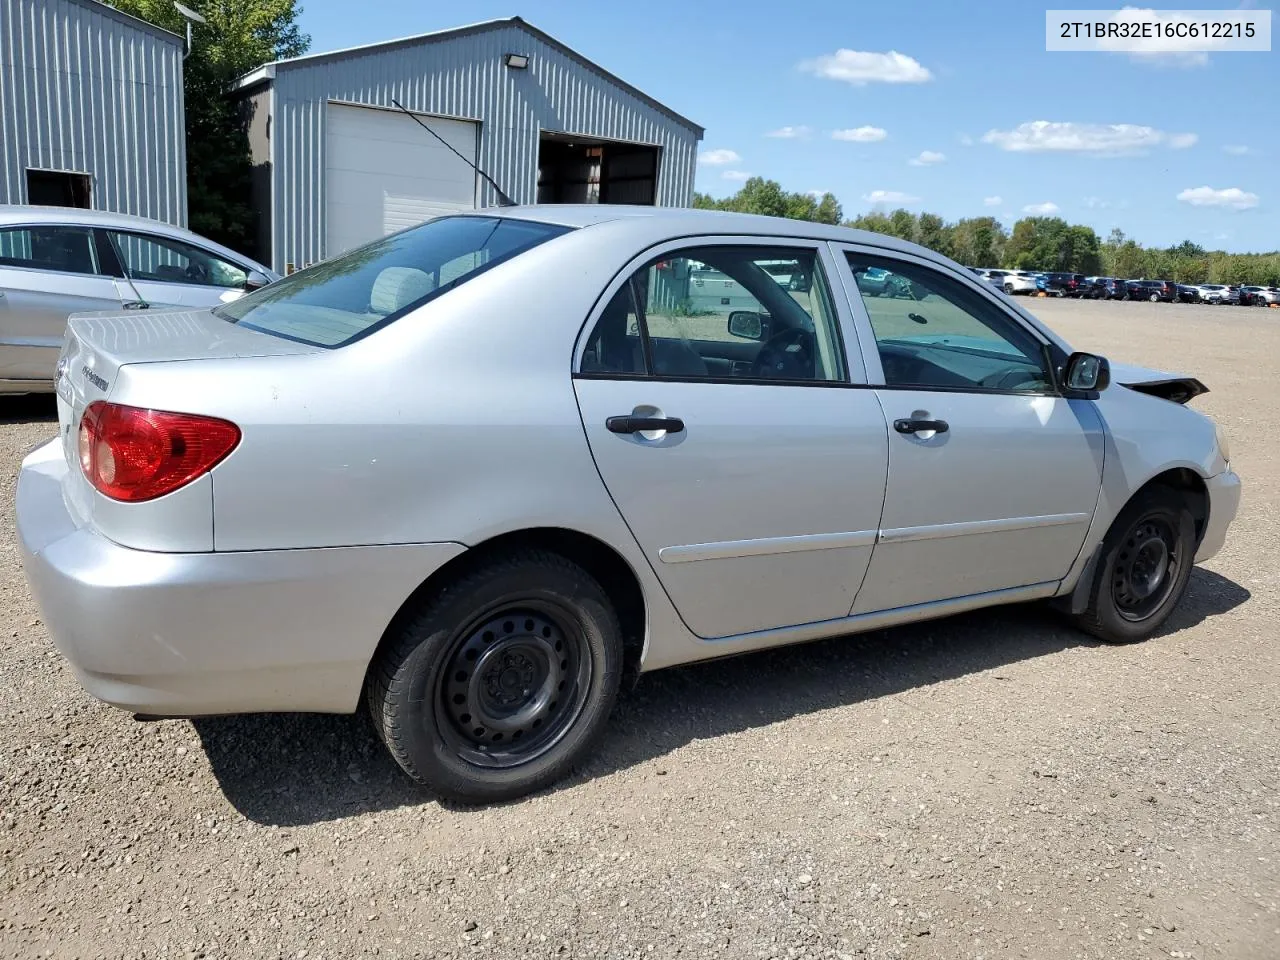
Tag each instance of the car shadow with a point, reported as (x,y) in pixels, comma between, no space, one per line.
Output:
(295,769)
(29,408)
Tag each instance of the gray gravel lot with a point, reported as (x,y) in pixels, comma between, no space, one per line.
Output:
(995,785)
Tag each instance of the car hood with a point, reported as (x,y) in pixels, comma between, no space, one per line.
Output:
(1178,387)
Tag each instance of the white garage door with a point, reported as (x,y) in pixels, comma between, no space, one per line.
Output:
(383,173)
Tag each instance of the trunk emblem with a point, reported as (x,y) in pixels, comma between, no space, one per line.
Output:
(93,378)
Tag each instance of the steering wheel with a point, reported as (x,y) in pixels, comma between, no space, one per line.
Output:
(787,355)
(196,271)
(1011,379)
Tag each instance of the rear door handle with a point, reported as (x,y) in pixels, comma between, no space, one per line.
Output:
(919,426)
(629,424)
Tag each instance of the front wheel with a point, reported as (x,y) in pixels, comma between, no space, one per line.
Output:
(1144,568)
(499,684)
(1154,298)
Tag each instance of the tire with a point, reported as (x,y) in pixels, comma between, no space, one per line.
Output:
(1008,288)
(548,652)
(1117,611)
(1154,298)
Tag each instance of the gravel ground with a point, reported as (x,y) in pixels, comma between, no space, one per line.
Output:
(990,786)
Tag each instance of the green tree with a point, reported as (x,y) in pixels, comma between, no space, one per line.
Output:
(829,210)
(239,36)
(931,232)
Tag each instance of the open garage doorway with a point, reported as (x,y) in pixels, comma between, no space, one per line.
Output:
(580,170)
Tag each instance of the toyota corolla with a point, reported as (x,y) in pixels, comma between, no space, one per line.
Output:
(473,473)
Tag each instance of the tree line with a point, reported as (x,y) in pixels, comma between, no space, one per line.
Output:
(1047,244)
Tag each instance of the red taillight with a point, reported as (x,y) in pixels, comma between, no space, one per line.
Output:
(134,454)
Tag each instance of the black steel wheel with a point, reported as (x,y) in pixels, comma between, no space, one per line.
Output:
(1143,568)
(1146,567)
(501,680)
(514,683)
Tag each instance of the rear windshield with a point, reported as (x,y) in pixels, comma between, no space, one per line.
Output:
(346,298)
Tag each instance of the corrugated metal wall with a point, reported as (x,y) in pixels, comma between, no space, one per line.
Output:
(463,77)
(84,88)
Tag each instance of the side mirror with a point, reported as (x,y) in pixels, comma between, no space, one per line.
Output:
(1085,374)
(746,324)
(256,280)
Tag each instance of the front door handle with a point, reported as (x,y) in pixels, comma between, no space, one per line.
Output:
(631,424)
(919,426)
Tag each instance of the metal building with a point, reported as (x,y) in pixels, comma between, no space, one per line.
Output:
(336,164)
(91,110)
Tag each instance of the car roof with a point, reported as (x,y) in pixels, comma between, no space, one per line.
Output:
(12,215)
(686,219)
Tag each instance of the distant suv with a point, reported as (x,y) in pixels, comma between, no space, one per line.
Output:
(1218,293)
(1065,284)
(1153,290)
(1259,296)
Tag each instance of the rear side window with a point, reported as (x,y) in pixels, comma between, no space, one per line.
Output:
(341,300)
(63,249)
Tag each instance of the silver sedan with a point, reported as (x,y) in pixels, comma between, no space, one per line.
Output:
(475,472)
(55,261)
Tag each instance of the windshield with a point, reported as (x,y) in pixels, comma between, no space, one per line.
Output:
(341,300)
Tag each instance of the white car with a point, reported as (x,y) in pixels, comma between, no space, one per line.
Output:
(1019,281)
(474,504)
(56,261)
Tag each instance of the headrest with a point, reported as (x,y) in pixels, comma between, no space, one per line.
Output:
(397,287)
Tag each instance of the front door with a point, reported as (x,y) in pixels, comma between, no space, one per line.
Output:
(993,477)
(168,272)
(716,397)
(46,274)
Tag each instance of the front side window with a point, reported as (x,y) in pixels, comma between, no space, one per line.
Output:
(932,331)
(160,259)
(64,249)
(748,313)
(340,300)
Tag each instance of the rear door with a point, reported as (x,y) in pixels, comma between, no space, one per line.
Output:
(993,477)
(725,424)
(46,273)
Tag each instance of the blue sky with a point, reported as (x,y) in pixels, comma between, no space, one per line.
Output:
(1196,154)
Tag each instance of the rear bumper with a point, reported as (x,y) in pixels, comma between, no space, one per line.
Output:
(195,634)
(1224,503)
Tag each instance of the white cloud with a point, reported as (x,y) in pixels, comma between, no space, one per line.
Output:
(860,68)
(927,158)
(1046,209)
(1097,139)
(992,201)
(738,175)
(817,194)
(966,140)
(790,133)
(1096,203)
(718,158)
(876,197)
(1236,149)
(860,134)
(1232,198)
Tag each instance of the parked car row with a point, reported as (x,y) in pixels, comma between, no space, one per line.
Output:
(1034,283)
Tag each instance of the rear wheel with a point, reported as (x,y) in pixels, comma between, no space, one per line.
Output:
(1144,568)
(502,681)
(1008,288)
(1154,298)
